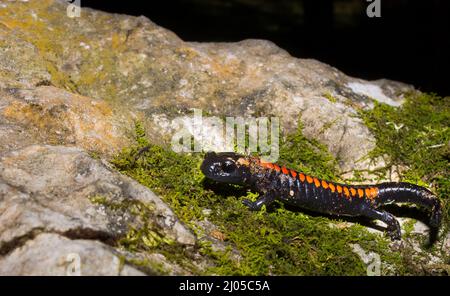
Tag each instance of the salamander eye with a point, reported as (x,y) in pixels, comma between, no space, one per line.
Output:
(228,167)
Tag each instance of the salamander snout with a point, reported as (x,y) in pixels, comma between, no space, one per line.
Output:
(222,167)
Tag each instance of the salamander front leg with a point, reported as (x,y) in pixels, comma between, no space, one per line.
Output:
(266,199)
(393,227)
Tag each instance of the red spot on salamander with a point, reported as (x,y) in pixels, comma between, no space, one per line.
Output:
(276,167)
(316,182)
(360,193)
(332,187)
(346,192)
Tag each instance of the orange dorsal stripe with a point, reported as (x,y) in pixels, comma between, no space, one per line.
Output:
(374,192)
(361,193)
(331,185)
(302,177)
(267,165)
(369,193)
(346,192)
(316,182)
(276,167)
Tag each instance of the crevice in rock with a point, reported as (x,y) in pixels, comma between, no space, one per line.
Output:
(72,234)
(17,242)
(44,83)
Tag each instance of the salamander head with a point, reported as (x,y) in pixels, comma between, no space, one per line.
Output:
(226,167)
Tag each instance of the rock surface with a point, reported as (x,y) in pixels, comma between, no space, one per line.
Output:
(134,64)
(68,257)
(50,115)
(47,190)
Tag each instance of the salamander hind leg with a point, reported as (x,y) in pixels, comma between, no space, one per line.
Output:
(393,227)
(266,199)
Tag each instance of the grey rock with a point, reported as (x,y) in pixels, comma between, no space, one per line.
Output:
(147,70)
(51,115)
(47,189)
(52,254)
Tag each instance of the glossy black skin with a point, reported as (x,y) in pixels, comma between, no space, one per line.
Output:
(272,185)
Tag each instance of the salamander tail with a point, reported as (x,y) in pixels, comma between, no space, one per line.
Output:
(436,214)
(406,192)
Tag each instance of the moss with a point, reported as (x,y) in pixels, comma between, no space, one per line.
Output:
(143,236)
(408,227)
(287,241)
(308,155)
(149,266)
(330,97)
(415,138)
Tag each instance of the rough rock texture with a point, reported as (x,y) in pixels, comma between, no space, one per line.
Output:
(47,189)
(46,114)
(94,258)
(134,64)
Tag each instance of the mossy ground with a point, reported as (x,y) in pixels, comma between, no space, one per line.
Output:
(414,139)
(276,240)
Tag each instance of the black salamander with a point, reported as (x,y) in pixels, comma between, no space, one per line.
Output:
(296,188)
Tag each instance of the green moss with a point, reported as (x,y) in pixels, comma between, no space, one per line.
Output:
(415,137)
(143,236)
(330,97)
(287,241)
(408,227)
(308,155)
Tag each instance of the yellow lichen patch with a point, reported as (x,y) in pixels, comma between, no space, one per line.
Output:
(32,22)
(222,69)
(118,40)
(59,117)
(187,52)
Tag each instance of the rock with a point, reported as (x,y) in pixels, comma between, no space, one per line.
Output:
(50,115)
(48,189)
(21,65)
(446,243)
(52,254)
(134,64)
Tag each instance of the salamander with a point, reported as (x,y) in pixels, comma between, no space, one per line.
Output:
(275,182)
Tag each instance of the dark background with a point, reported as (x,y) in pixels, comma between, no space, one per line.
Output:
(409,43)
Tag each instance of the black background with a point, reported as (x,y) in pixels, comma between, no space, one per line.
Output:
(279,285)
(409,43)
